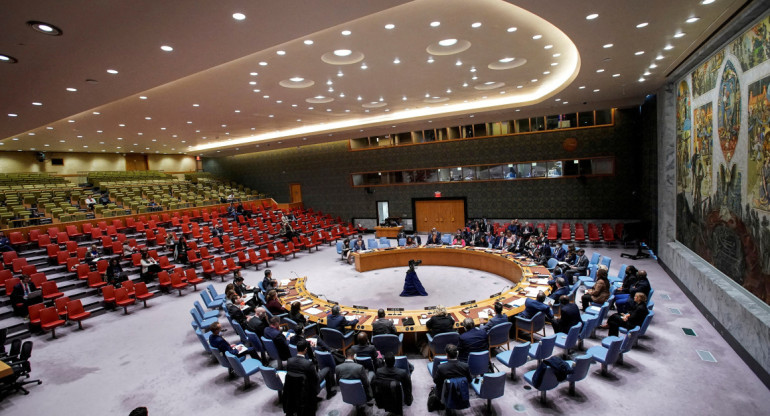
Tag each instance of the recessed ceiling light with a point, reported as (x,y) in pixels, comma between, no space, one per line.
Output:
(679,34)
(558,99)
(476,24)
(505,60)
(396,61)
(653,66)
(647,73)
(237,111)
(435,24)
(692,19)
(582,87)
(112,71)
(705,2)
(148,118)
(556,55)
(253,74)
(592,16)
(35,103)
(474,77)
(296,79)
(473,69)
(307,42)
(196,105)
(668,47)
(263,63)
(70,121)
(596,90)
(340,74)
(166,48)
(547,46)
(546,72)
(96,113)
(142,97)
(239,16)
(534,80)
(511,29)
(343,52)
(660,57)
(271,116)
(390,26)
(459,62)
(329,82)
(447,42)
(8,59)
(536,37)
(600,70)
(252,82)
(637,53)
(70,89)
(345,33)
(554,63)
(615,75)
(363,66)
(641,25)
(16,139)
(607,45)
(641,80)
(45,28)
(281,53)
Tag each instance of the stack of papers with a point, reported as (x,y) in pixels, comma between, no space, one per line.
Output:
(483,315)
(285,282)
(313,311)
(518,302)
(304,302)
(396,321)
(423,321)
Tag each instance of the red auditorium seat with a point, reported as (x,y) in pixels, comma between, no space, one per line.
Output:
(51,291)
(49,320)
(122,299)
(192,278)
(75,312)
(177,283)
(142,293)
(95,280)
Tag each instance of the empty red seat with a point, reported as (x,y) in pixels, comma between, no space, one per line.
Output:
(177,283)
(192,278)
(95,280)
(51,291)
(122,299)
(83,271)
(49,320)
(75,312)
(17,264)
(208,269)
(164,281)
(109,295)
(193,259)
(129,285)
(164,263)
(142,293)
(29,269)
(61,307)
(17,239)
(73,232)
(263,254)
(53,253)
(254,258)
(38,279)
(8,257)
(231,266)
(220,269)
(205,254)
(34,313)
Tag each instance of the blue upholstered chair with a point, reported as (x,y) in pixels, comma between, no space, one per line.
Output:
(310,330)
(438,343)
(371,244)
(643,328)
(606,355)
(206,314)
(222,360)
(243,368)
(490,387)
(202,339)
(365,361)
(210,303)
(384,243)
(579,370)
(401,242)
(532,325)
(214,294)
(446,239)
(569,340)
(388,343)
(255,343)
(549,382)
(499,335)
(339,248)
(199,321)
(435,362)
(589,326)
(628,342)
(552,263)
(325,360)
(541,350)
(403,363)
(272,351)
(353,392)
(335,338)
(478,363)
(618,278)
(272,379)
(515,357)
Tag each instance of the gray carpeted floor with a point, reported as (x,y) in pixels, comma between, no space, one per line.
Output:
(151,357)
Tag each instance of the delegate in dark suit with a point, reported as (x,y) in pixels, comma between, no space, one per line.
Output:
(581,265)
(400,375)
(256,325)
(367,350)
(19,298)
(301,365)
(556,294)
(354,371)
(280,342)
(532,307)
(439,324)
(473,340)
(383,326)
(570,315)
(338,322)
(496,320)
(450,369)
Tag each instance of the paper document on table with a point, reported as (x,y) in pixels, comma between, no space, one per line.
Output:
(423,321)
(313,311)
(354,317)
(305,302)
(285,282)
(518,302)
(483,315)
(531,291)
(541,281)
(396,321)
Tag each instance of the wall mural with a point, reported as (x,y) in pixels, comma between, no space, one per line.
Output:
(723,192)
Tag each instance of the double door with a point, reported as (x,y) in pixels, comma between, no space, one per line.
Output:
(446,215)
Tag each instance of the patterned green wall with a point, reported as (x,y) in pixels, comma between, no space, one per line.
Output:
(324,172)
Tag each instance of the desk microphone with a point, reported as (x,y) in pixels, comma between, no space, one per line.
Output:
(295,274)
(323,296)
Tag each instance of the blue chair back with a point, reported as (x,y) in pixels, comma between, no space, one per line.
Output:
(446,239)
(239,330)
(588,327)
(262,298)
(371,244)
(613,350)
(437,360)
(580,369)
(202,339)
(254,341)
(388,343)
(221,358)
(572,337)
(403,363)
(339,247)
(272,381)
(196,316)
(478,362)
(646,323)
(293,350)
(325,360)
(499,334)
(594,258)
(543,349)
(440,341)
(549,380)
(366,362)
(552,262)
(261,286)
(236,365)
(401,242)
(606,261)
(629,340)
(207,299)
(492,386)
(214,293)
(353,392)
(384,242)
(518,356)
(199,308)
(272,351)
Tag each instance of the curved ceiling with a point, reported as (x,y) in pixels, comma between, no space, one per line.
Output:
(303,72)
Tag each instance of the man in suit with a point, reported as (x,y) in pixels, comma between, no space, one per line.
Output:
(533,306)
(434,237)
(273,333)
(450,369)
(561,288)
(580,267)
(258,322)
(382,325)
(302,365)
(218,342)
(23,295)
(499,317)
(560,253)
(472,340)
(353,371)
(390,372)
(364,349)
(338,322)
(569,315)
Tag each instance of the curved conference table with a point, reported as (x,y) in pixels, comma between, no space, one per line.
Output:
(526,280)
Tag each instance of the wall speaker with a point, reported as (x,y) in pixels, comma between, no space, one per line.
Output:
(40,156)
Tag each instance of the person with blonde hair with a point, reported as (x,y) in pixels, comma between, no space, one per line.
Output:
(440,322)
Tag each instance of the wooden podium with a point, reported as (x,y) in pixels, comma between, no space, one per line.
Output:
(388,232)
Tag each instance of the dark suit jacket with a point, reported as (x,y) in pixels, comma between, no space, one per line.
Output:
(440,324)
(561,254)
(434,239)
(532,307)
(400,375)
(367,350)
(582,263)
(353,371)
(637,313)
(256,326)
(570,315)
(280,342)
(383,326)
(496,320)
(223,346)
(17,294)
(450,369)
(339,322)
(558,292)
(300,365)
(472,341)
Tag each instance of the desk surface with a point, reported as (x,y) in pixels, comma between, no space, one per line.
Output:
(5,370)
(528,277)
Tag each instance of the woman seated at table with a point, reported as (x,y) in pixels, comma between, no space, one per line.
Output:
(273,304)
(295,314)
(410,242)
(458,239)
(115,273)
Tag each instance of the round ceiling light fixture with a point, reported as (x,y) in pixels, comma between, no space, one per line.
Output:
(319,99)
(45,28)
(342,57)
(507,63)
(296,82)
(8,59)
(448,47)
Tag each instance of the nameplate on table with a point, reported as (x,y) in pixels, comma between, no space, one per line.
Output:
(304,302)
(430,308)
(360,307)
(395,321)
(468,302)
(395,309)
(495,294)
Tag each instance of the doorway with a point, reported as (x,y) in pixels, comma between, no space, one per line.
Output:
(295,191)
(382,211)
(444,214)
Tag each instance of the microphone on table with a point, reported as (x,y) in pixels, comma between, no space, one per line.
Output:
(323,296)
(295,274)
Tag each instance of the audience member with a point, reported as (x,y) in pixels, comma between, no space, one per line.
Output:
(273,304)
(339,322)
(561,289)
(533,306)
(579,268)
(115,273)
(600,292)
(411,242)
(499,317)
(452,368)
(351,370)
(391,373)
(180,250)
(295,313)
(5,243)
(218,342)
(23,294)
(364,349)
(150,267)
(90,202)
(383,325)
(635,316)
(258,322)
(472,340)
(273,333)
(302,365)
(640,285)
(92,255)
(440,322)
(569,315)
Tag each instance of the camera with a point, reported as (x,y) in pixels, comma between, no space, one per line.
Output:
(413,263)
